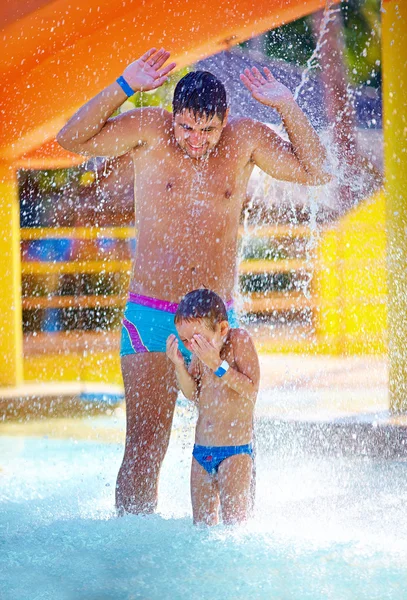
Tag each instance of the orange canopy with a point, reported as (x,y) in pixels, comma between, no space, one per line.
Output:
(57,54)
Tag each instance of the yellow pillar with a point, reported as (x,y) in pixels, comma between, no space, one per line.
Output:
(394,48)
(11,337)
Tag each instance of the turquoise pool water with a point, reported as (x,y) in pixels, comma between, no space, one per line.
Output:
(324,528)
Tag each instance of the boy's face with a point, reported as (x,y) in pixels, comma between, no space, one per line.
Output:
(187,330)
(197,136)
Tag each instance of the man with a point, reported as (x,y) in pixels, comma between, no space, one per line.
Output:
(191,172)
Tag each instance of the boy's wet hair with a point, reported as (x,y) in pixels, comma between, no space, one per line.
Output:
(202,304)
(201,93)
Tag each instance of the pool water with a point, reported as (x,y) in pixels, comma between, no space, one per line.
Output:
(324,528)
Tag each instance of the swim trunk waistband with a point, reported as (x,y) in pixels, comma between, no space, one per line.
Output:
(158,304)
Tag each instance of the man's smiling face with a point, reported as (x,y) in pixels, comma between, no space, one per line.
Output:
(196,135)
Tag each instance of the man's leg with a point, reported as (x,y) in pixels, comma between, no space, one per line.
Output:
(151,392)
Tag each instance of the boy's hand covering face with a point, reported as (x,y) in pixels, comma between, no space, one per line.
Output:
(173,351)
(205,351)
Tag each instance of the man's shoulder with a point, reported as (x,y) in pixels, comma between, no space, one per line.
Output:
(248,134)
(242,124)
(148,126)
(154,112)
(244,132)
(150,117)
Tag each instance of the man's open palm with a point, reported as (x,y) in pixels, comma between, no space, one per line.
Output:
(265,88)
(146,73)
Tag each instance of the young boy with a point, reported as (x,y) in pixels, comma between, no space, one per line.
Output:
(223,381)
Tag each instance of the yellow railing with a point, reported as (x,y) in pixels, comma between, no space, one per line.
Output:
(345,299)
(77,233)
(255,303)
(93,356)
(350,281)
(124,233)
(77,266)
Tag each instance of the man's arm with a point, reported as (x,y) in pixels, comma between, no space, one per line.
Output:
(300,160)
(92,132)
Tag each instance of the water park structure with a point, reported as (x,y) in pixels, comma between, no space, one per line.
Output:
(56,55)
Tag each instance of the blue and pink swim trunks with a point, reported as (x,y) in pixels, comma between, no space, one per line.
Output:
(147,323)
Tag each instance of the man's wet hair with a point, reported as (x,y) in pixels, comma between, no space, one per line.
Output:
(204,305)
(201,93)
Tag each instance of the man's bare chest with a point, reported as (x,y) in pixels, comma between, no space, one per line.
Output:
(210,203)
(203,181)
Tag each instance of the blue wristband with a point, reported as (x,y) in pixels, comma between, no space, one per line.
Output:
(222,369)
(125,86)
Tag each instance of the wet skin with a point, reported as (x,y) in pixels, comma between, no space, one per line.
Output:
(225,415)
(188,204)
(191,176)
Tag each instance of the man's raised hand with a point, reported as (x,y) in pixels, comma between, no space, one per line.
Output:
(265,88)
(147,72)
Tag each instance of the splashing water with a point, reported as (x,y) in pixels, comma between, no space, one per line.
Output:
(318,204)
(323,529)
(312,63)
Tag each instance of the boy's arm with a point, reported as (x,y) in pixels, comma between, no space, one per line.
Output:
(91,132)
(195,372)
(186,381)
(245,378)
(301,160)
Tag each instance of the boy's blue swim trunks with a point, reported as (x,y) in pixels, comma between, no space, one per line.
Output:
(148,322)
(210,457)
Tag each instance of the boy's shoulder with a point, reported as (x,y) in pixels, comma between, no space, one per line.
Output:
(238,335)
(241,347)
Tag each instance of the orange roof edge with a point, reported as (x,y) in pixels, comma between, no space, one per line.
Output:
(57,54)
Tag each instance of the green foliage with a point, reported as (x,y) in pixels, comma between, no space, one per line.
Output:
(263,283)
(295,41)
(49,181)
(162,96)
(264,249)
(362,38)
